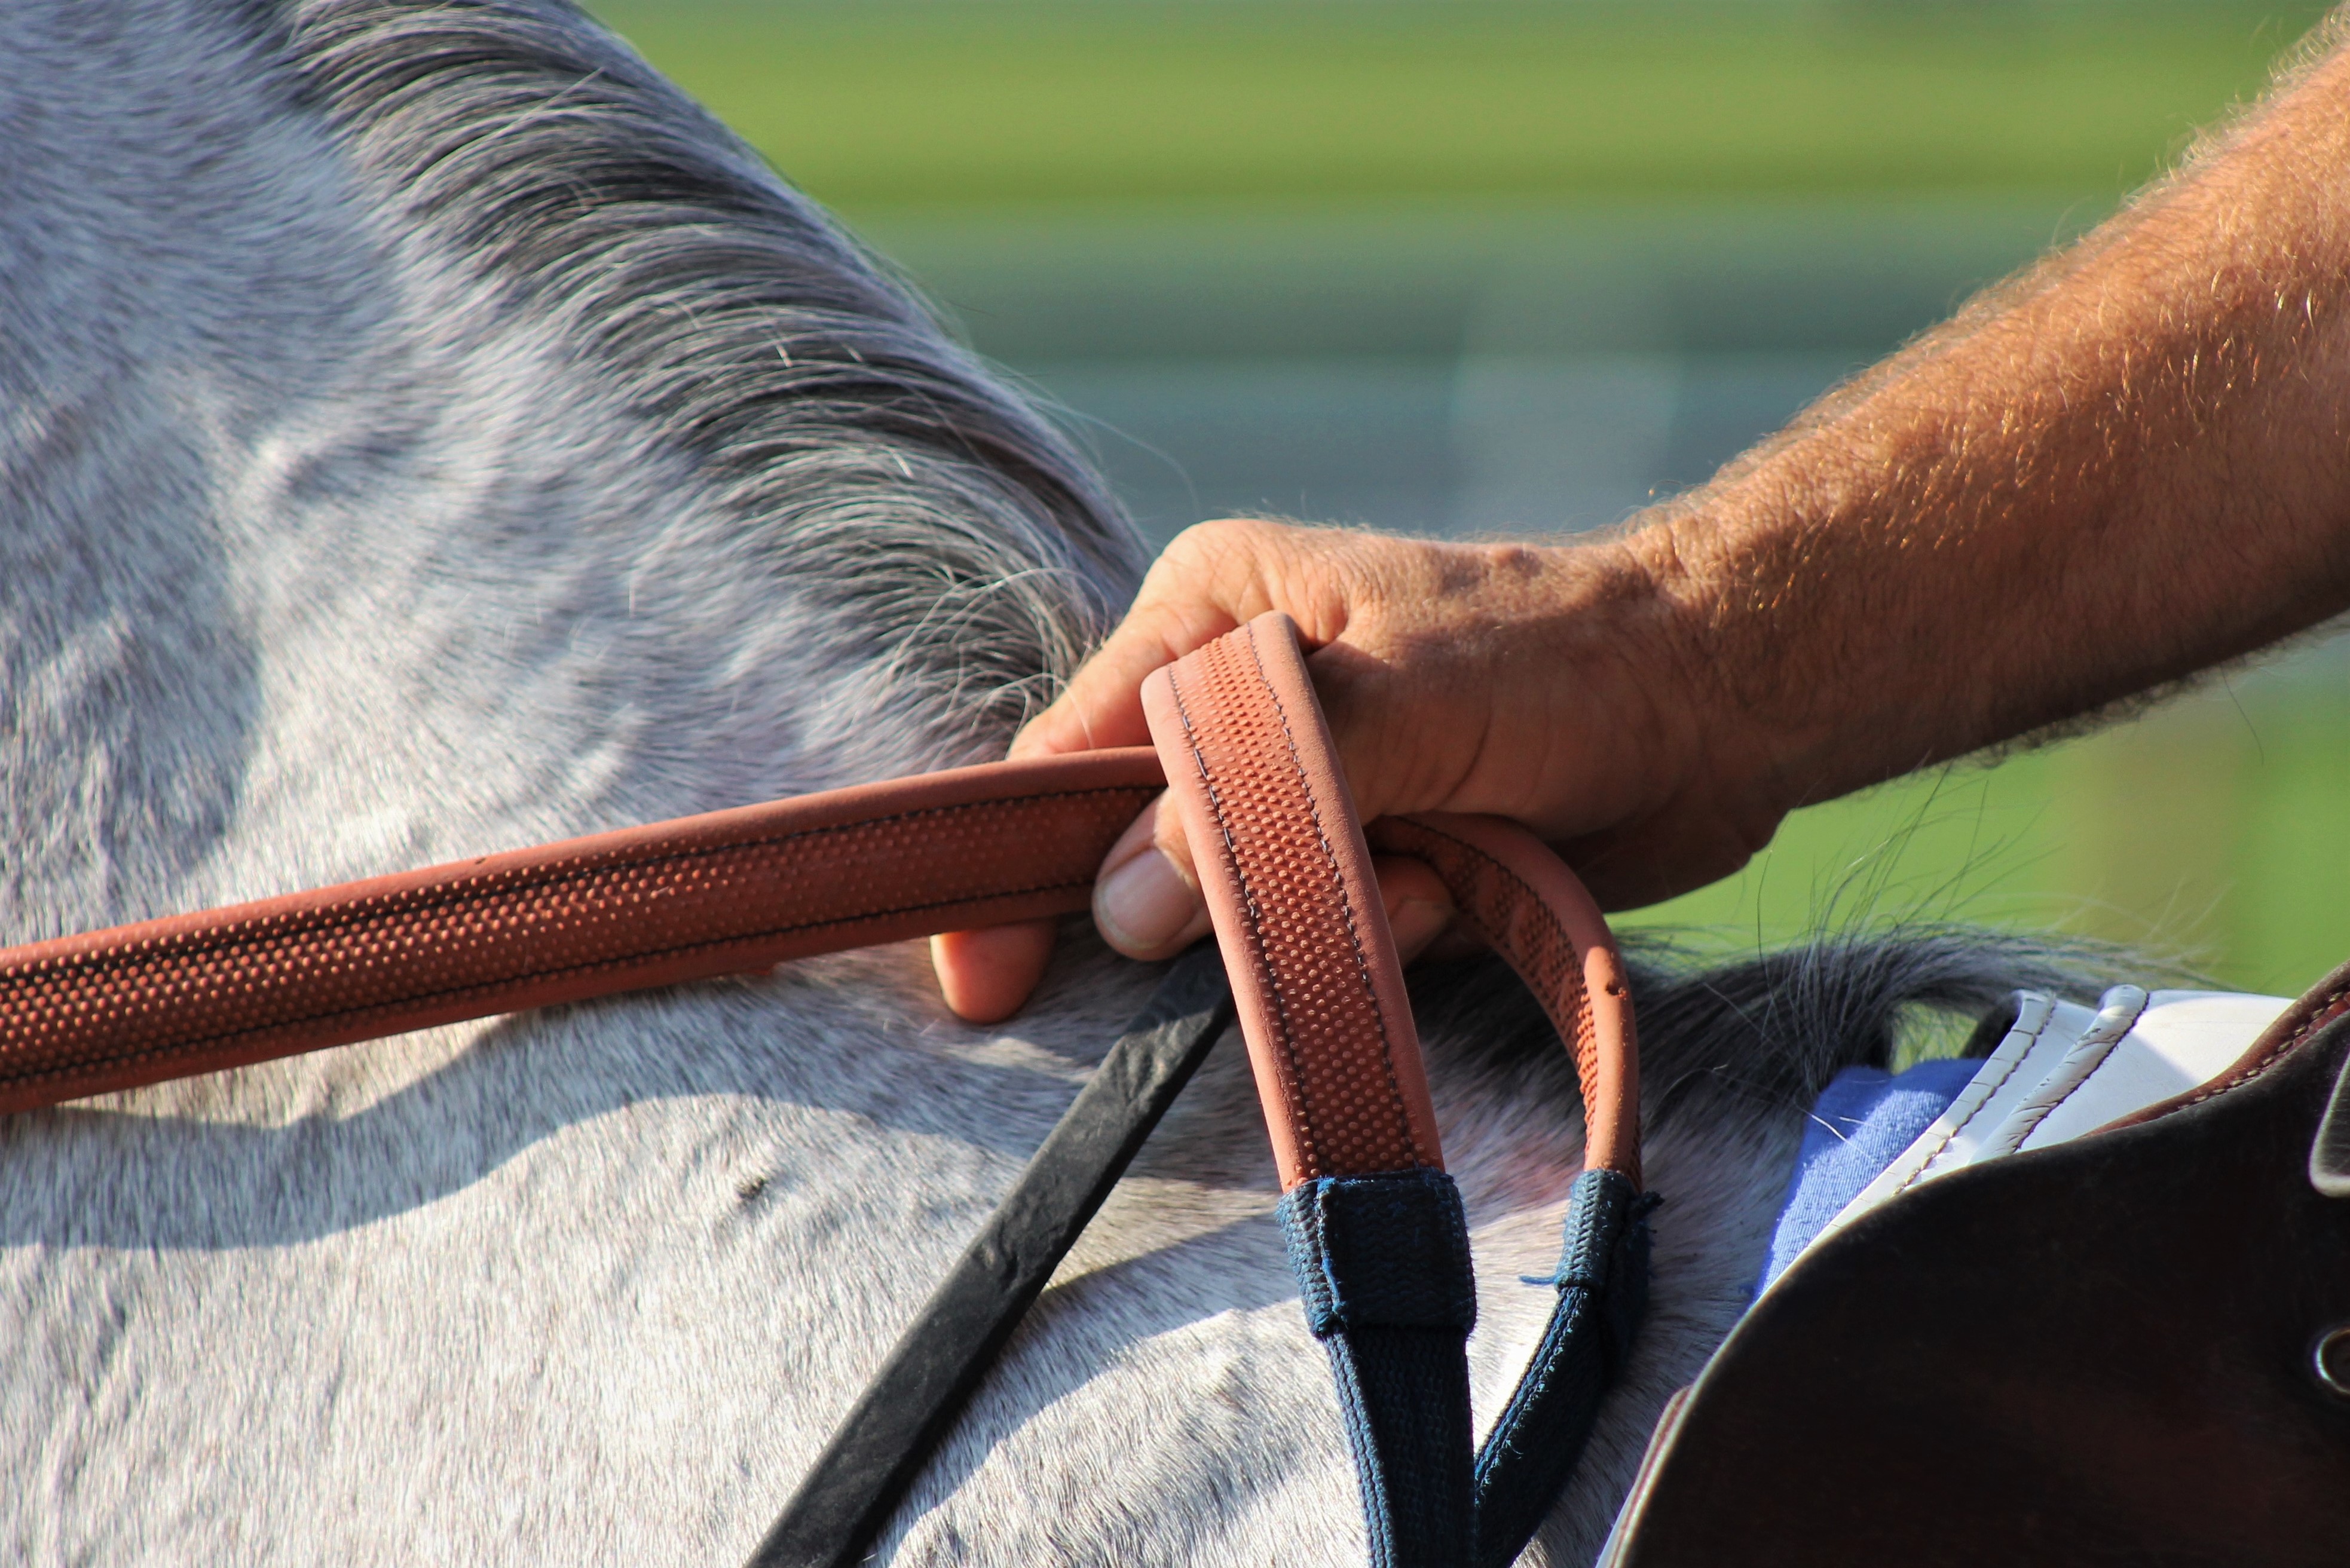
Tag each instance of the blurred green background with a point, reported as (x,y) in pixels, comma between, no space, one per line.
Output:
(1471,268)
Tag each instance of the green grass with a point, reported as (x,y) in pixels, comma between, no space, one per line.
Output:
(2213,833)
(887,104)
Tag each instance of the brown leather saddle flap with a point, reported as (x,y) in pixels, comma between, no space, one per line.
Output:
(2096,1353)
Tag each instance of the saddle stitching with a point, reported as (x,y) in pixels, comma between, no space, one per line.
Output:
(1918,1175)
(2337,1003)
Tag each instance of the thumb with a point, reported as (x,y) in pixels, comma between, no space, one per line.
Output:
(1147,904)
(1147,901)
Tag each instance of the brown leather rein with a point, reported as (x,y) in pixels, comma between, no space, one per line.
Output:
(733,892)
(1241,745)
(726,893)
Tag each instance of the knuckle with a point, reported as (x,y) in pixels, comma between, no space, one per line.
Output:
(1222,538)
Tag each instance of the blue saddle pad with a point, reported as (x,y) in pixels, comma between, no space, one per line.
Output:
(1862,1122)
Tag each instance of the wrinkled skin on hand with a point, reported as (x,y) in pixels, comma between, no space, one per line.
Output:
(1544,684)
(2125,465)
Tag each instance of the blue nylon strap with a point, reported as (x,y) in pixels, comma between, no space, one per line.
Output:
(1603,1285)
(1383,1265)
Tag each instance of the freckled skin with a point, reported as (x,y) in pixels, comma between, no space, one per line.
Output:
(2129,463)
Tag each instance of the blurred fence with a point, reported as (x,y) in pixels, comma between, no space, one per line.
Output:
(1467,369)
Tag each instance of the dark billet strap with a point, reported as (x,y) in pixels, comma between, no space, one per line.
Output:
(880,1445)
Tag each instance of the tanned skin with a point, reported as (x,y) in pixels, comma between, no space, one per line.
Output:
(2129,464)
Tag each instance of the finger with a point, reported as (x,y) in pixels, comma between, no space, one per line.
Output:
(986,975)
(1419,905)
(1102,704)
(1209,580)
(1147,901)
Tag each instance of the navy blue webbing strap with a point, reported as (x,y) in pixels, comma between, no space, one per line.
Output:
(1383,1269)
(1382,1264)
(1602,1286)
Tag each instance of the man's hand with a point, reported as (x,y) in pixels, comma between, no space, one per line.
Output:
(2124,466)
(1543,685)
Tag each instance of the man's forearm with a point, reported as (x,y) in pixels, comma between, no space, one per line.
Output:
(2129,464)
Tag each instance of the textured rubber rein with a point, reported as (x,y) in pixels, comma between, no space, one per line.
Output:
(1376,1235)
(1376,1230)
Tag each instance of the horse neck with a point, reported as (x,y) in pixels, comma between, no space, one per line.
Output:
(382,487)
(406,482)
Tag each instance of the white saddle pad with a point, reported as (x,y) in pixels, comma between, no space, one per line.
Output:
(2064,1071)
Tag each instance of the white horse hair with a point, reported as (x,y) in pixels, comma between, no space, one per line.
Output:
(427,433)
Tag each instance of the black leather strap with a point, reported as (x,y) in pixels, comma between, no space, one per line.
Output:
(881,1444)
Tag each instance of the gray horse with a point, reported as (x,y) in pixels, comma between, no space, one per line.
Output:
(426,432)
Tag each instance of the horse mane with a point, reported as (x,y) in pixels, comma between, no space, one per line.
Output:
(845,442)
(426,400)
